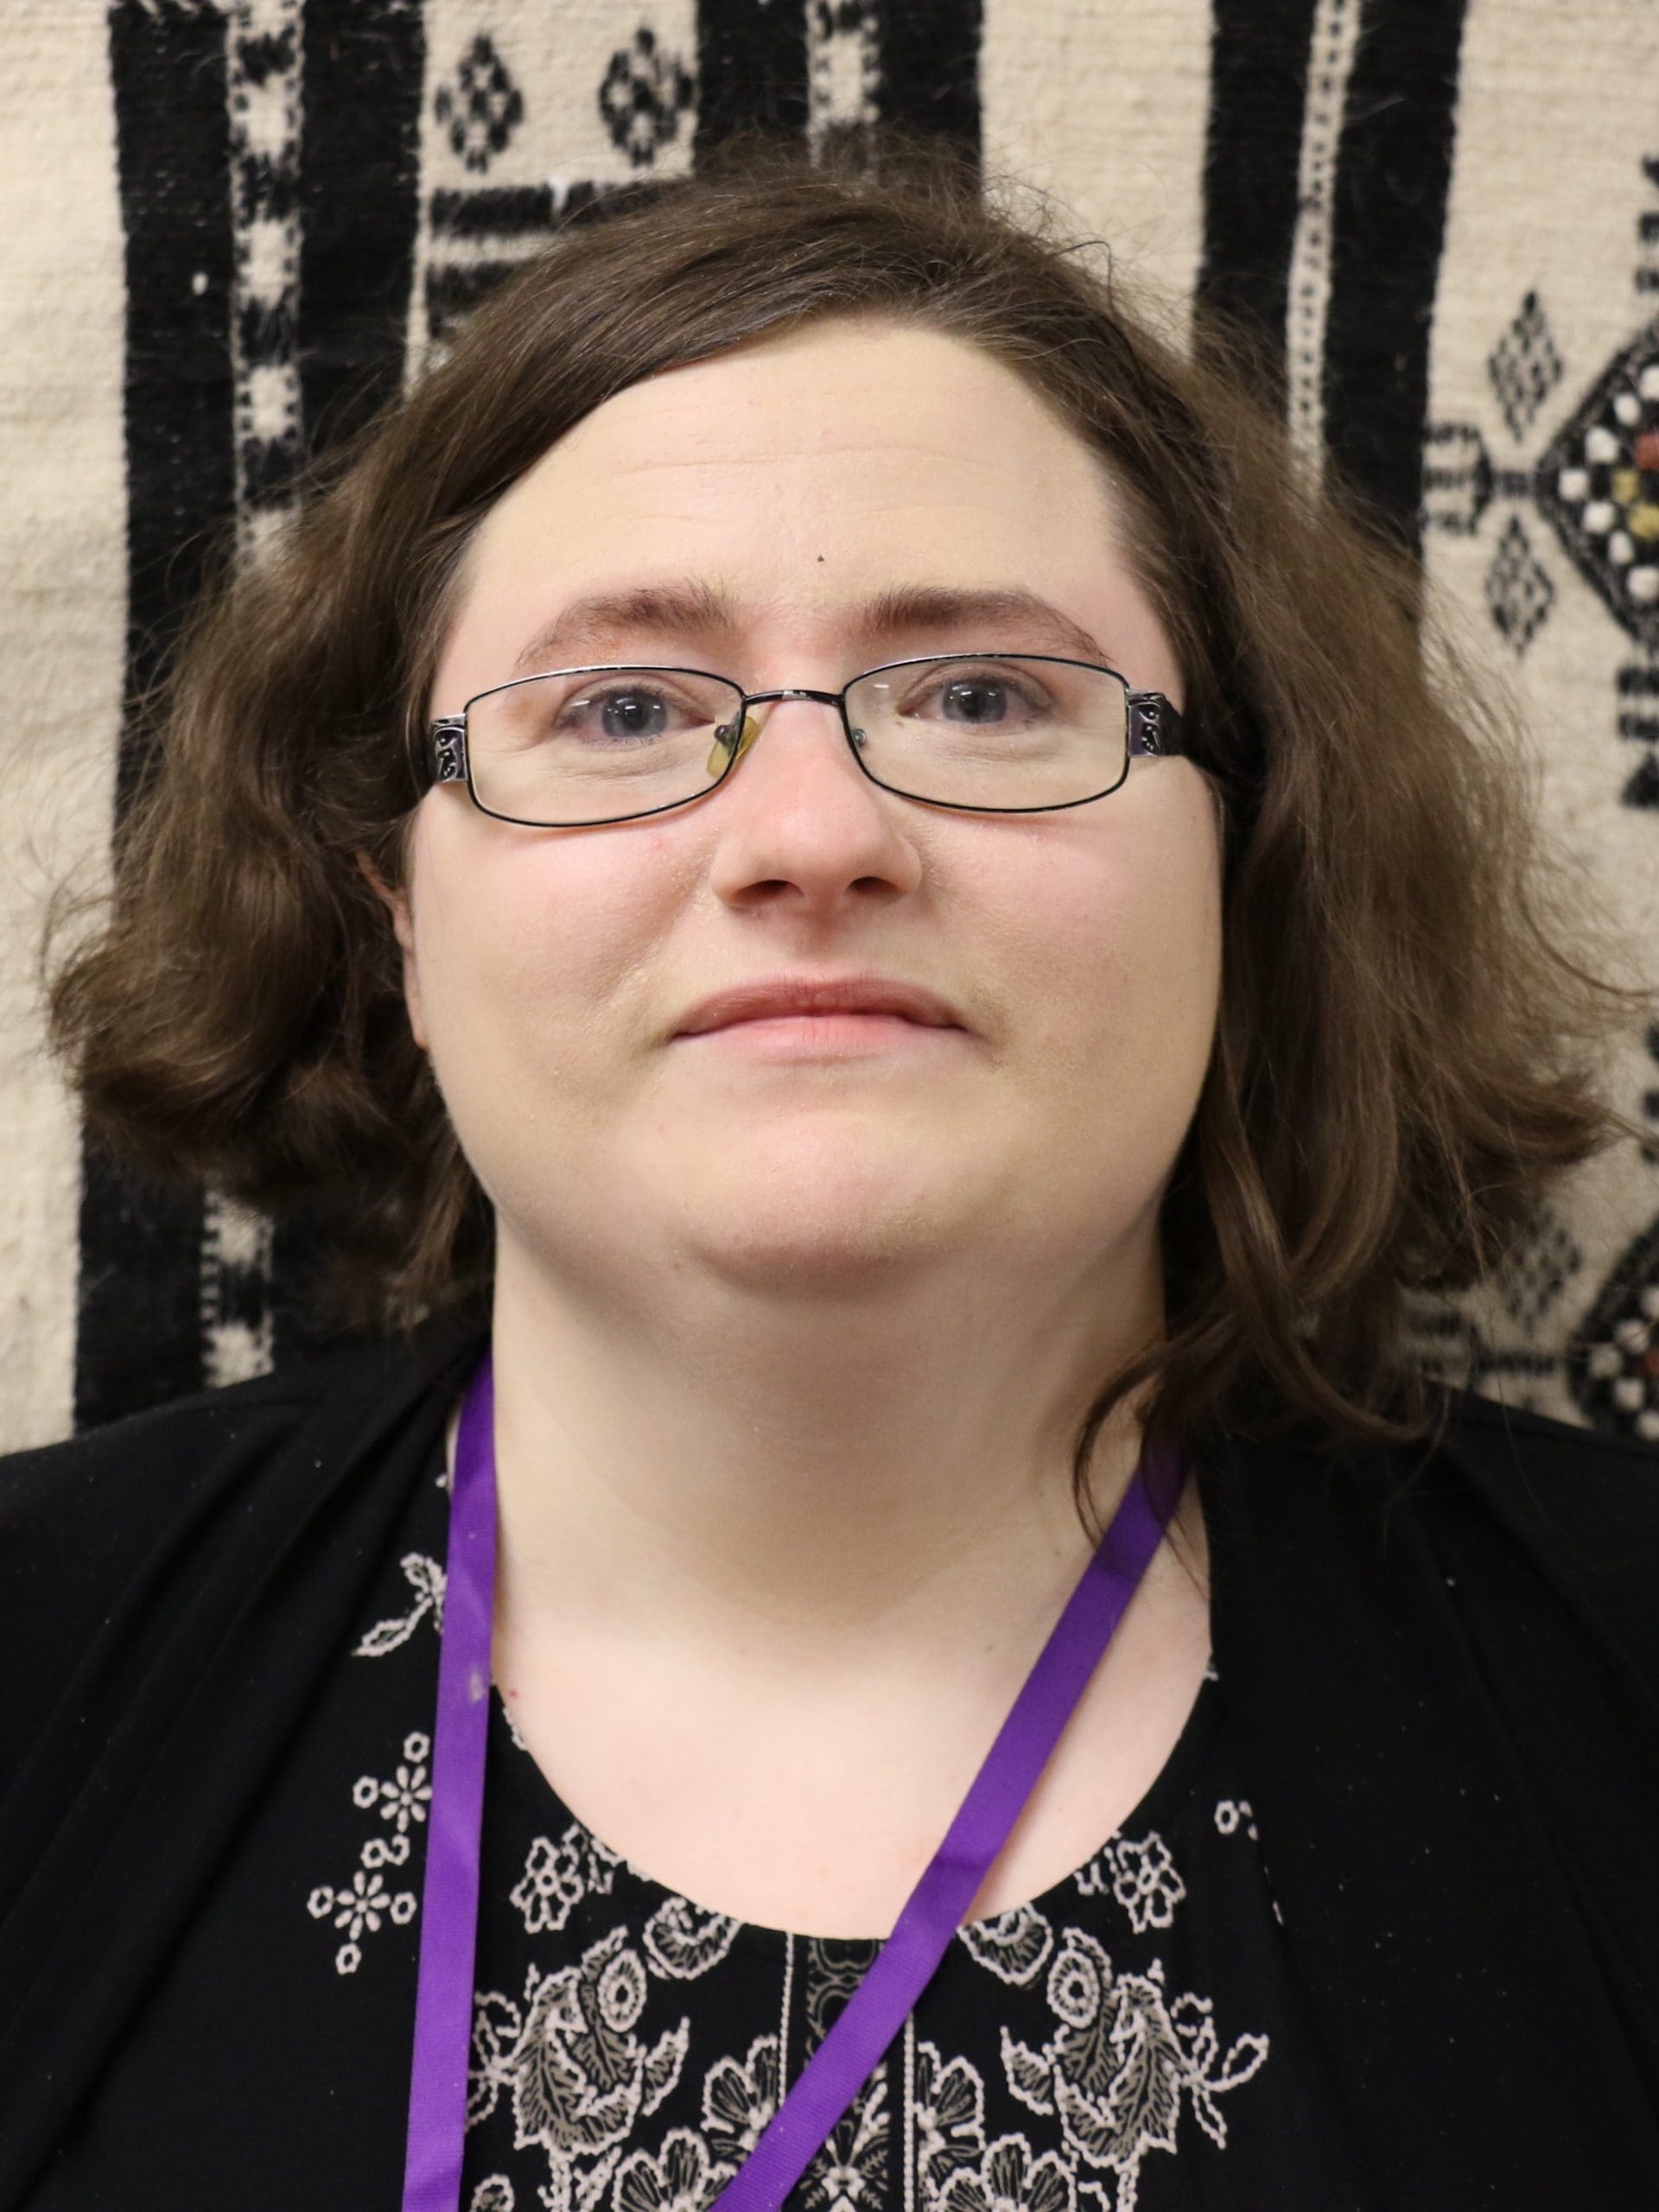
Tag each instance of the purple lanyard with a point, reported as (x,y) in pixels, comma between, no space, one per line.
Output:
(878,2006)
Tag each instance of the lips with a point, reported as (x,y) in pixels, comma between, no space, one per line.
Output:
(777,997)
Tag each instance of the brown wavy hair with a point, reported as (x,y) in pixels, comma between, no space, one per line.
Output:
(1406,1057)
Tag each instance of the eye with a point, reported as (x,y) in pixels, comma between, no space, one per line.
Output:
(975,699)
(979,698)
(624,712)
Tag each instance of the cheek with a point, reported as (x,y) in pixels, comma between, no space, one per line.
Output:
(521,939)
(1119,954)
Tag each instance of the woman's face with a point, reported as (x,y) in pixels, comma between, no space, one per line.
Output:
(757,510)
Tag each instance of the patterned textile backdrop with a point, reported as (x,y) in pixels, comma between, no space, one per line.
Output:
(227,227)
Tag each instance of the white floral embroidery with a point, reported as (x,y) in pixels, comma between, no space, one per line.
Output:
(360,1910)
(738,2101)
(834,1966)
(1196,2027)
(558,1876)
(682,2180)
(425,1577)
(1116,2071)
(850,2173)
(406,1796)
(360,1906)
(948,2116)
(578,2078)
(1009,2179)
(683,1940)
(1230,1813)
(1143,1877)
(497,2029)
(571,2188)
(1015,1945)
(493,2195)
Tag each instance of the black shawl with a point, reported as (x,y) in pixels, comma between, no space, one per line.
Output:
(1446,1670)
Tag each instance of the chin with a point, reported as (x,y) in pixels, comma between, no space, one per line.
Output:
(837,1266)
(830,1231)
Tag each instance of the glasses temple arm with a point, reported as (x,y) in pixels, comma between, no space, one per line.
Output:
(445,749)
(1156,728)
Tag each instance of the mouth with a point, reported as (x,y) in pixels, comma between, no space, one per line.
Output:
(838,1034)
(831,1005)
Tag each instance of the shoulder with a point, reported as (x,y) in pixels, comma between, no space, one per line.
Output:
(1521,1466)
(1545,1481)
(78,1518)
(1585,1496)
(165,1449)
(1546,1533)
(1548,1530)
(152,1465)
(108,1537)
(1530,1445)
(1579,1507)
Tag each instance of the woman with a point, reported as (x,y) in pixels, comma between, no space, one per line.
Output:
(815,841)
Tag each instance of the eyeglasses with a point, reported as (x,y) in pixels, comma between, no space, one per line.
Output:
(984,733)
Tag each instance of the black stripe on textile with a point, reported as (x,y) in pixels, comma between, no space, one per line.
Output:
(264,190)
(929,77)
(139,1333)
(751,72)
(1647,233)
(455,289)
(1388,225)
(168,65)
(1639,725)
(138,1326)
(1258,91)
(496,211)
(364,63)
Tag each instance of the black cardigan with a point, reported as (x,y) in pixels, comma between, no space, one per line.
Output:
(1446,1672)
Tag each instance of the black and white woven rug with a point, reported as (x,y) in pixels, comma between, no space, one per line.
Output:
(226,229)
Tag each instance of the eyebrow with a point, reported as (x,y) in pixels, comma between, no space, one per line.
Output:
(612,622)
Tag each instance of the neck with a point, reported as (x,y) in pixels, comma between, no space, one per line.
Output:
(885,1467)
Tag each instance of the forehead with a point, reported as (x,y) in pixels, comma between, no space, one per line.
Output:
(827,388)
(808,473)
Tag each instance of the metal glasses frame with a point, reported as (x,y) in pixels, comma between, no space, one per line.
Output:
(1157,731)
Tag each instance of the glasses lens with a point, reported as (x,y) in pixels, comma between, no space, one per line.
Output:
(599,745)
(997,731)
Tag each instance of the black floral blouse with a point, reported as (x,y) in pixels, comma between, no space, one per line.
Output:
(1132,2037)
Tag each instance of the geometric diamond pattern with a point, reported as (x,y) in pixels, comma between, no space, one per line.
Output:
(481,105)
(1613,1360)
(1518,592)
(1524,366)
(642,96)
(1534,1277)
(1598,484)
(1457,479)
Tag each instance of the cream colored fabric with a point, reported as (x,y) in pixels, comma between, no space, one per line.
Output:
(62,637)
(1550,272)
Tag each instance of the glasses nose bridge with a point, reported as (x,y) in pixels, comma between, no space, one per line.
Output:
(793,691)
(752,724)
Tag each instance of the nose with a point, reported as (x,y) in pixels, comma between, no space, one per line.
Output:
(800,819)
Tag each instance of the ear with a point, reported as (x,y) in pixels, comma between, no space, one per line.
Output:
(397,904)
